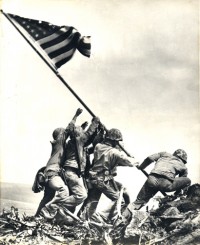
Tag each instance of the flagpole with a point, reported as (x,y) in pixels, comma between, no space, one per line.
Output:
(50,66)
(57,73)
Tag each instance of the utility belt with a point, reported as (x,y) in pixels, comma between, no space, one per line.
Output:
(101,179)
(162,176)
(105,174)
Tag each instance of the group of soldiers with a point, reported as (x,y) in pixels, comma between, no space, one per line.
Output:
(83,165)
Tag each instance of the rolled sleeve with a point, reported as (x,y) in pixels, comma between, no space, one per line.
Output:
(122,160)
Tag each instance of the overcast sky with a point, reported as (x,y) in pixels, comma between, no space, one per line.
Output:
(142,78)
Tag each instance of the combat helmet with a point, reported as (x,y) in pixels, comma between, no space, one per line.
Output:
(114,134)
(78,131)
(57,131)
(181,154)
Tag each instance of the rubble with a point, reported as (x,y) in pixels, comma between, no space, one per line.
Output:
(176,221)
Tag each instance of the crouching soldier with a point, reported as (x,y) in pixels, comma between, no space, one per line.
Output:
(163,176)
(106,158)
(41,185)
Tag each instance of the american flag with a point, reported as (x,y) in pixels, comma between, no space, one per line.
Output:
(58,42)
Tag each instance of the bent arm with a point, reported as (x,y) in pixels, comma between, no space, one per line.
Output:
(91,130)
(122,160)
(150,159)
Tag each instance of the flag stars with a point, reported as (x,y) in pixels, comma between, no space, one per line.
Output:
(38,30)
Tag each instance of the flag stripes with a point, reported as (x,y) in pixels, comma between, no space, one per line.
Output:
(62,35)
(59,43)
(54,35)
(86,46)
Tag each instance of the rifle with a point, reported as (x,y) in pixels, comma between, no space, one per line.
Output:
(79,163)
(63,176)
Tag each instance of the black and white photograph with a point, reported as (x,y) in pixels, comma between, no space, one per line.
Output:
(100,122)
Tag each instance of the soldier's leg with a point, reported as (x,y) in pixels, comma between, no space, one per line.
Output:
(82,211)
(109,190)
(148,190)
(77,189)
(179,183)
(56,183)
(91,203)
(49,194)
(126,195)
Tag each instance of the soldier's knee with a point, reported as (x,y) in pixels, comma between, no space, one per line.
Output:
(81,197)
(84,196)
(189,181)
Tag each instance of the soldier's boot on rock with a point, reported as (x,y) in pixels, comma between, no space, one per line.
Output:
(48,214)
(63,219)
(135,205)
(182,192)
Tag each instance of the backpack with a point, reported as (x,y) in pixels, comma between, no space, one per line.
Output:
(39,182)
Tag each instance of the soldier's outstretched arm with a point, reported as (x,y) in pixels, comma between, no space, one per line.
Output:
(91,129)
(78,112)
(71,125)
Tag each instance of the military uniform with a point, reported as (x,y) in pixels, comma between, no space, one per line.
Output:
(52,174)
(106,158)
(75,164)
(163,176)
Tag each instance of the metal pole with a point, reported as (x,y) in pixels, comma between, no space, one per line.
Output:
(55,72)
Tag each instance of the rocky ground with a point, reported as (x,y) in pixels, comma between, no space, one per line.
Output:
(176,221)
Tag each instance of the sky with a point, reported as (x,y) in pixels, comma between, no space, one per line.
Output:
(142,78)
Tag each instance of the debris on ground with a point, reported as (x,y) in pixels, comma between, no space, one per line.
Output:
(176,221)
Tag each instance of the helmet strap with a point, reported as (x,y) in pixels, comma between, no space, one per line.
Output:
(109,142)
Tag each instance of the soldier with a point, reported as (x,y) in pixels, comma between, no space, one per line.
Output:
(40,185)
(75,163)
(52,170)
(163,176)
(106,158)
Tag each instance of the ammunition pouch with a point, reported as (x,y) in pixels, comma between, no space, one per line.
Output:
(41,179)
(99,178)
